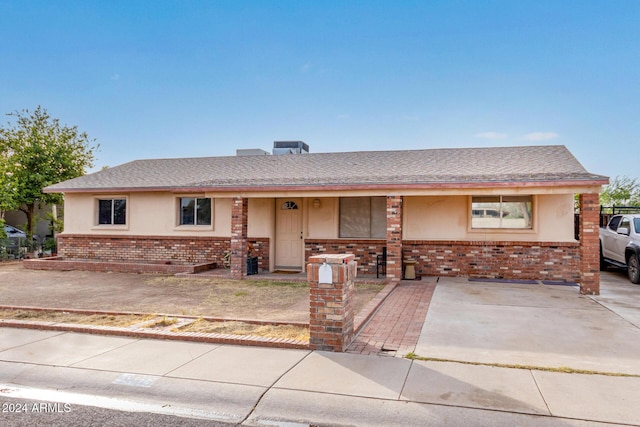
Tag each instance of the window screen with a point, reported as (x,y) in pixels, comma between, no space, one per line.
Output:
(363,217)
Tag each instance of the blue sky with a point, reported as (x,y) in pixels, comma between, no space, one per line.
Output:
(151,79)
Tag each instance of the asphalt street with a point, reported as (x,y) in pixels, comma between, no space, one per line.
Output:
(37,413)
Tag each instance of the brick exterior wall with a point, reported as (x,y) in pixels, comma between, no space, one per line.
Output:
(260,249)
(331,305)
(589,244)
(150,249)
(62,264)
(365,251)
(394,238)
(508,260)
(179,250)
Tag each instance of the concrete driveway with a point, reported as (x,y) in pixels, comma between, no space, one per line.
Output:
(620,296)
(535,325)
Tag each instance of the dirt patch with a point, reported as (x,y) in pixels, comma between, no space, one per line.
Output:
(148,293)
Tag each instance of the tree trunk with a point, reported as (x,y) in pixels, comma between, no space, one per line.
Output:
(29,211)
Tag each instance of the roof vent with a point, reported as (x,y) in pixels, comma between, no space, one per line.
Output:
(289,147)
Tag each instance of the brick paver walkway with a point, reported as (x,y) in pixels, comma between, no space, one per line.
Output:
(395,328)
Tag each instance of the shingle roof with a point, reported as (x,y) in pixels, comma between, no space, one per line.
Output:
(552,163)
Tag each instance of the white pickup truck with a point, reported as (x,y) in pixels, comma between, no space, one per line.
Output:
(620,244)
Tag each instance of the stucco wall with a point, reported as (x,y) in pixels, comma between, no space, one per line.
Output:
(147,214)
(447,218)
(261,217)
(322,222)
(156,214)
(425,218)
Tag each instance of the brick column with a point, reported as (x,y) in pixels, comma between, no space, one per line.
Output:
(331,305)
(239,208)
(394,238)
(589,244)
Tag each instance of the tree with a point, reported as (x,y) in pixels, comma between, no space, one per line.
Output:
(621,191)
(7,192)
(37,151)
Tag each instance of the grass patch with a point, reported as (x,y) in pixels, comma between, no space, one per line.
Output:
(120,320)
(560,369)
(222,282)
(240,328)
(276,284)
(161,323)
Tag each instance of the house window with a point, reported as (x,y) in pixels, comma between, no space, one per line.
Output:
(510,212)
(195,211)
(363,217)
(112,211)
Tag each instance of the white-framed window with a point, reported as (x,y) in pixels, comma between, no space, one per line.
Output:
(363,217)
(502,212)
(112,211)
(195,211)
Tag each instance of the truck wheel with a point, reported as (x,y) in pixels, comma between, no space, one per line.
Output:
(603,263)
(633,269)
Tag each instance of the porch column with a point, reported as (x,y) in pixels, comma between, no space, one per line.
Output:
(394,238)
(589,244)
(238,260)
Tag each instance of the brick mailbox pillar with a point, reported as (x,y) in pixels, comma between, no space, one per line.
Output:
(331,304)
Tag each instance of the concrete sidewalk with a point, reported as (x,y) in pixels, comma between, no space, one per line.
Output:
(535,325)
(260,386)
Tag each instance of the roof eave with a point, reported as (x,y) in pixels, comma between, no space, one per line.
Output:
(592,182)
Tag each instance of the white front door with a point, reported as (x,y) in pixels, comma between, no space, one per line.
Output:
(289,250)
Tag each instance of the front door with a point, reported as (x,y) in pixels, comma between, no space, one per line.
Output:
(289,249)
